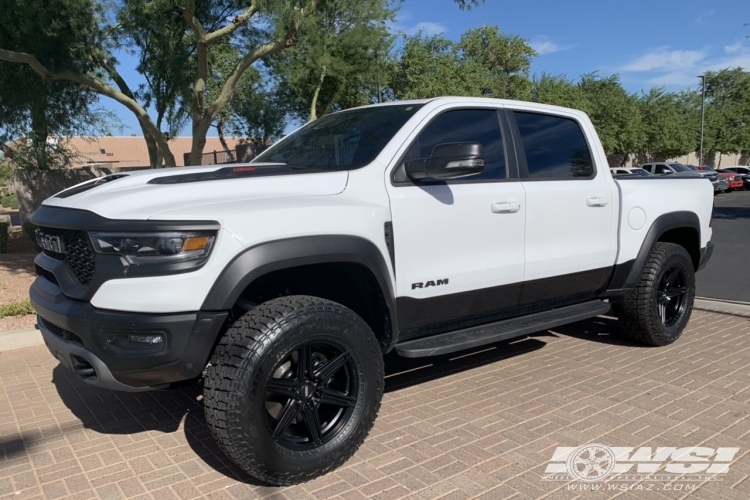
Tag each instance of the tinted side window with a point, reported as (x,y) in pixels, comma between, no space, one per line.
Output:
(555,147)
(465,125)
(661,169)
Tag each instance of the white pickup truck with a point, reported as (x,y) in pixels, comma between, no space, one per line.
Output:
(427,227)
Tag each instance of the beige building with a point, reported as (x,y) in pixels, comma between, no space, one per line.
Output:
(131,152)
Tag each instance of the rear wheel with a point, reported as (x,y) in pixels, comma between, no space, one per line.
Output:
(659,308)
(293,388)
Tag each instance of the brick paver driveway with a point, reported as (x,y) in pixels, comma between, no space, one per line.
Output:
(482,425)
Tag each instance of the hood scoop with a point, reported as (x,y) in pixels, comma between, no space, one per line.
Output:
(258,170)
(89,185)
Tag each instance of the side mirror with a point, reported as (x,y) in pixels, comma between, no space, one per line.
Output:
(448,161)
(668,172)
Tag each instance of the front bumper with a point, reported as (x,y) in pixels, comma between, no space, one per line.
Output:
(96,344)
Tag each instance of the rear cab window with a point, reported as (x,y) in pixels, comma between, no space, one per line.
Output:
(555,147)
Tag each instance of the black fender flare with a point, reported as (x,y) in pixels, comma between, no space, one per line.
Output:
(264,258)
(627,274)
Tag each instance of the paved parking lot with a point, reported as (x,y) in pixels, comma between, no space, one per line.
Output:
(483,425)
(728,272)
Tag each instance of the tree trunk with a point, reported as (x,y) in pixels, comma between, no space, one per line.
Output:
(220,131)
(314,104)
(39,134)
(200,129)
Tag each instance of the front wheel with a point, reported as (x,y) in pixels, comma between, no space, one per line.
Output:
(293,388)
(659,308)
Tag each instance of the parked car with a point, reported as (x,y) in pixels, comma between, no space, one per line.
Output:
(734,181)
(676,169)
(720,183)
(630,171)
(283,282)
(744,173)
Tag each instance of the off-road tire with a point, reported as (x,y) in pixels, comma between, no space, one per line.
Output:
(235,385)
(638,313)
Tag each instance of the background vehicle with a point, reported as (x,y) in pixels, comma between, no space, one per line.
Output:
(743,172)
(405,226)
(630,171)
(720,183)
(734,182)
(676,169)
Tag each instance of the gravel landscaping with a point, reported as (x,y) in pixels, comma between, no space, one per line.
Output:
(16,276)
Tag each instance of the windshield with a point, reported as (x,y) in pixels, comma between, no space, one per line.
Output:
(693,167)
(340,141)
(709,169)
(679,167)
(642,172)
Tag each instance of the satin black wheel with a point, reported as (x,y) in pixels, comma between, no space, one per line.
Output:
(293,388)
(658,310)
(311,395)
(672,296)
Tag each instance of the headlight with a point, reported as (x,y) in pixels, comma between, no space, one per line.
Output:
(148,248)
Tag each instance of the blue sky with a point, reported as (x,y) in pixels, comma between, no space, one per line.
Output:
(649,43)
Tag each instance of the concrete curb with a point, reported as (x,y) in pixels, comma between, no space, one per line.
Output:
(19,339)
(722,306)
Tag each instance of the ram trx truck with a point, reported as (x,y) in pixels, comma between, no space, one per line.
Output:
(425,227)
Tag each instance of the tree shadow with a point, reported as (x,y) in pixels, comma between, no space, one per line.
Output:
(731,213)
(20,256)
(602,329)
(113,412)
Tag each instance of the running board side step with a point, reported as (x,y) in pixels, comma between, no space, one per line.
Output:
(502,330)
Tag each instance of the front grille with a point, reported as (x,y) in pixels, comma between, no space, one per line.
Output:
(79,254)
(60,331)
(712,177)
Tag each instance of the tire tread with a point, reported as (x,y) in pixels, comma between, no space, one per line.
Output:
(241,348)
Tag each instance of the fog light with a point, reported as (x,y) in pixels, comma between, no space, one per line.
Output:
(146,339)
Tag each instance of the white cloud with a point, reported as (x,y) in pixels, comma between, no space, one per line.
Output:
(544,45)
(428,28)
(663,59)
(685,72)
(734,48)
(675,79)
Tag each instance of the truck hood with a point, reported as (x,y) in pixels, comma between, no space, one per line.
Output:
(144,194)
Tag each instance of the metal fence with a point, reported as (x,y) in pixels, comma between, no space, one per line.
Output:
(243,154)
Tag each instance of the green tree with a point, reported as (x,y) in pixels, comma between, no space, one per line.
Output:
(429,66)
(340,64)
(559,91)
(164,47)
(484,63)
(503,61)
(727,128)
(615,114)
(33,111)
(259,28)
(667,131)
(254,111)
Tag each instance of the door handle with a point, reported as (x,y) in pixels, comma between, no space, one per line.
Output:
(597,202)
(505,207)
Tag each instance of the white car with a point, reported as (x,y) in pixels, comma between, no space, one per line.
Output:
(425,227)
